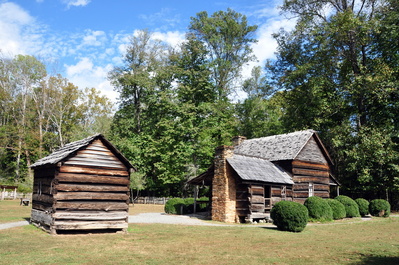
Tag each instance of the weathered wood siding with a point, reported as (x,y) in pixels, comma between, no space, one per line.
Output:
(256,200)
(89,190)
(310,175)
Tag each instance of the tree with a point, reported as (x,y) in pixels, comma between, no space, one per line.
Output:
(227,37)
(335,80)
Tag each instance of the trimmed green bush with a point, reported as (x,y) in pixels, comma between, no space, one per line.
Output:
(351,208)
(184,206)
(380,208)
(319,209)
(289,216)
(363,206)
(174,206)
(338,209)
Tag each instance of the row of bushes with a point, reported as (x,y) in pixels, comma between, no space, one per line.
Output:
(293,216)
(185,206)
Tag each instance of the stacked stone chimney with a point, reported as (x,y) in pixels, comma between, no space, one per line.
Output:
(223,187)
(237,140)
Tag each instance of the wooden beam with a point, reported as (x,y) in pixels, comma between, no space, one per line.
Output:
(70,177)
(89,205)
(84,187)
(310,165)
(91,215)
(91,196)
(309,172)
(81,225)
(93,171)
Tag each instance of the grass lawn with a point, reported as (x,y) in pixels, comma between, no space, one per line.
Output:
(367,242)
(11,211)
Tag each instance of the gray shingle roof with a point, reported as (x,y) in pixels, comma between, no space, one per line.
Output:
(72,147)
(257,169)
(276,147)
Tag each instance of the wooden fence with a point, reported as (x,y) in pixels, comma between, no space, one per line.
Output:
(151,200)
(12,195)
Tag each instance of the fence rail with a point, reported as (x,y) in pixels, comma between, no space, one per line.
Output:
(11,195)
(151,200)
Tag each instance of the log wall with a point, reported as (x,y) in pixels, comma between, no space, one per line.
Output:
(310,174)
(89,191)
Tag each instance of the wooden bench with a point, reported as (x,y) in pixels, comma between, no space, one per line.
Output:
(24,202)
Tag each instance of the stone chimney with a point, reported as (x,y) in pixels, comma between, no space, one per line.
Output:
(237,140)
(223,187)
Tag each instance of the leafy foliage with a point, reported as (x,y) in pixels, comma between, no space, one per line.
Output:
(351,207)
(363,206)
(319,209)
(380,208)
(338,209)
(289,216)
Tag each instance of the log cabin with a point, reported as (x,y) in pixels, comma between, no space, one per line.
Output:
(249,177)
(82,187)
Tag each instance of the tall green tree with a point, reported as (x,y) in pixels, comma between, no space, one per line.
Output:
(335,80)
(227,38)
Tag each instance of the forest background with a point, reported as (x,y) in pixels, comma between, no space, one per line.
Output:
(336,72)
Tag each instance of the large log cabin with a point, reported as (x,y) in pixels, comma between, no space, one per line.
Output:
(83,186)
(248,178)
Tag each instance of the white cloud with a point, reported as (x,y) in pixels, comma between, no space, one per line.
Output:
(18,29)
(94,38)
(70,3)
(85,74)
(173,38)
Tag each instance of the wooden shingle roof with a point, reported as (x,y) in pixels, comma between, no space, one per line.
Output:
(257,169)
(278,147)
(70,149)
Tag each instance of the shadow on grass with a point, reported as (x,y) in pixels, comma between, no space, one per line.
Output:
(376,260)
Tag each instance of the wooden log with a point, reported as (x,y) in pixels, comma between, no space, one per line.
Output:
(41,217)
(257,207)
(257,199)
(310,165)
(83,187)
(310,172)
(89,225)
(90,205)
(43,198)
(43,188)
(95,163)
(90,215)
(93,171)
(91,196)
(69,177)
(312,179)
(42,206)
(257,190)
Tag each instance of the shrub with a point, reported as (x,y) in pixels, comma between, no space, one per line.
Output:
(174,206)
(289,216)
(319,209)
(338,209)
(380,207)
(351,208)
(182,206)
(363,206)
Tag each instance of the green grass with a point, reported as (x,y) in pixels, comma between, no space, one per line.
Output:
(11,211)
(359,242)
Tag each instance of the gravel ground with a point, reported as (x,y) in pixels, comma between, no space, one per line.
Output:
(146,218)
(14,224)
(163,218)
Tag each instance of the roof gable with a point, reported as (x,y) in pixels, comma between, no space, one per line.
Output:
(72,148)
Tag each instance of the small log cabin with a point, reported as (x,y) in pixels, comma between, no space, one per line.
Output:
(248,178)
(83,186)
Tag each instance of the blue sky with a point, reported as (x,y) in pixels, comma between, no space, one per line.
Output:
(84,39)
